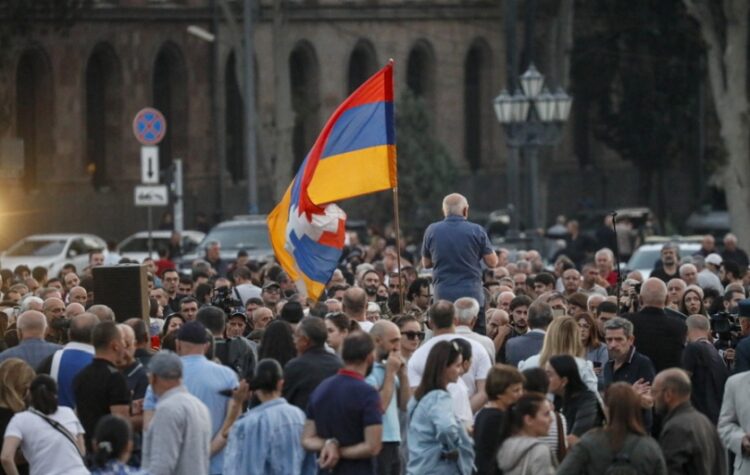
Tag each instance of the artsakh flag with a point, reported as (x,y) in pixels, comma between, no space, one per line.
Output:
(354,155)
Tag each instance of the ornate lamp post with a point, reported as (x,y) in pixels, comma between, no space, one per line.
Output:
(531,117)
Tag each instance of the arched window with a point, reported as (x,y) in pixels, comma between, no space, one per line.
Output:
(171,98)
(34,111)
(234,121)
(304,79)
(420,73)
(477,104)
(363,63)
(103,113)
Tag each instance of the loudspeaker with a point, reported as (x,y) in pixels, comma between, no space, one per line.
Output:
(124,289)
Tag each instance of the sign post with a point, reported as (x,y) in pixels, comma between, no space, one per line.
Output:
(149,128)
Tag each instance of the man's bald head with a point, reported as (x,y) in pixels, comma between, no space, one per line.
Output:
(81,327)
(675,380)
(381,328)
(77,294)
(654,293)
(455,205)
(104,313)
(354,302)
(74,309)
(31,324)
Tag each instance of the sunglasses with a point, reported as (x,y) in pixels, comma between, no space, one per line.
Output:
(414,335)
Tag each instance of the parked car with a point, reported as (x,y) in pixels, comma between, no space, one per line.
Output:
(646,256)
(136,246)
(52,251)
(707,221)
(249,233)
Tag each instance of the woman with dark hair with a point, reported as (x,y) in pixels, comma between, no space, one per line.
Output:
(691,302)
(339,326)
(269,436)
(172,323)
(203,294)
(412,335)
(459,391)
(113,444)
(438,442)
(536,381)
(579,405)
(278,342)
(504,386)
(50,436)
(523,453)
(623,436)
(596,350)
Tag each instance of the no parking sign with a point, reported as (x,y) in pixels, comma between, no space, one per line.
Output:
(149,126)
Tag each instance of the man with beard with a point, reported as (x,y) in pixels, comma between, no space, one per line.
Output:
(670,256)
(370,281)
(351,447)
(389,377)
(519,315)
(688,439)
(170,280)
(271,295)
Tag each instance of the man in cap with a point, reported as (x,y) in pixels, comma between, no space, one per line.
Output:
(742,352)
(271,294)
(708,278)
(179,436)
(237,323)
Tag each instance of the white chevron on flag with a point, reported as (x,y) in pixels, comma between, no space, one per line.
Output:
(300,226)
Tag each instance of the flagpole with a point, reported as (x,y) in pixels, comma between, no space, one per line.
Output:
(398,248)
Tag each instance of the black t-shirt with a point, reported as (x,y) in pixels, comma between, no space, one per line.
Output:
(660,273)
(97,387)
(487,427)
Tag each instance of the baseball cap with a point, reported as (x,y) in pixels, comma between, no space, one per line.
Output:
(193,332)
(238,312)
(270,284)
(714,259)
(743,307)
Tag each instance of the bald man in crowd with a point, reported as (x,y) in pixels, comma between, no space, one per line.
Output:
(455,248)
(33,349)
(658,335)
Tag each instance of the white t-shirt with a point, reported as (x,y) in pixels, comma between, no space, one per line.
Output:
(365,325)
(480,362)
(461,404)
(48,451)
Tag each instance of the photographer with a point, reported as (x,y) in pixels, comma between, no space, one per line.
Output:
(741,355)
(237,353)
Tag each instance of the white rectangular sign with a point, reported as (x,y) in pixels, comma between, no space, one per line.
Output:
(149,165)
(151,195)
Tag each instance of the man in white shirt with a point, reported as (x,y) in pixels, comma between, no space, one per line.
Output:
(467,310)
(354,306)
(442,318)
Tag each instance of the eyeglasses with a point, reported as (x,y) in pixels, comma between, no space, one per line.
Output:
(414,335)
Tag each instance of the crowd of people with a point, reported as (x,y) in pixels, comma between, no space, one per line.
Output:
(459,359)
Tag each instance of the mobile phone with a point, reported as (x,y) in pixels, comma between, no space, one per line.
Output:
(597,364)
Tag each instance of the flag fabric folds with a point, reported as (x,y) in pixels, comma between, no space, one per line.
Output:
(355,154)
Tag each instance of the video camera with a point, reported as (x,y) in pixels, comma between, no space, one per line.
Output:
(226,300)
(726,328)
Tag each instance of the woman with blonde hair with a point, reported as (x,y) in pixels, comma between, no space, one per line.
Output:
(563,338)
(16,376)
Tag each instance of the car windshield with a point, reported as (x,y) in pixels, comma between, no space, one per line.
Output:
(141,244)
(37,248)
(644,259)
(250,236)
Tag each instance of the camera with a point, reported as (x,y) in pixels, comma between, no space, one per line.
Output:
(225,300)
(726,328)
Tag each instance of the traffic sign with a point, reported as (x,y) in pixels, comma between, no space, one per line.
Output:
(149,165)
(149,126)
(151,195)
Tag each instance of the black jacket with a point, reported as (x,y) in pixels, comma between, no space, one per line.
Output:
(659,336)
(303,374)
(582,412)
(690,443)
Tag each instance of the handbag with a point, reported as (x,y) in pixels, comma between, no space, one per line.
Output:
(61,429)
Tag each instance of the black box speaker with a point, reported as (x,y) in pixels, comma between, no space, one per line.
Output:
(124,289)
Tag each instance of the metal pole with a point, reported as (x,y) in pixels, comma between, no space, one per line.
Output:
(531,155)
(150,227)
(178,203)
(512,173)
(216,112)
(514,196)
(249,132)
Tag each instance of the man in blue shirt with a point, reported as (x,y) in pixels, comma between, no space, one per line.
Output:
(389,377)
(33,349)
(455,249)
(344,415)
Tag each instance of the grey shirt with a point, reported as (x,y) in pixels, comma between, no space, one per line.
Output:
(178,440)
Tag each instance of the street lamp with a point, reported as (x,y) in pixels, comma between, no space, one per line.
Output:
(531,117)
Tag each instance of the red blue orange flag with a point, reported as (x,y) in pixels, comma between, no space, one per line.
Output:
(355,154)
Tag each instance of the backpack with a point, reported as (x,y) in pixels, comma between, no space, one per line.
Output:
(621,462)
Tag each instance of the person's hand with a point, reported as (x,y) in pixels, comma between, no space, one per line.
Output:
(136,407)
(642,387)
(394,362)
(572,440)
(502,334)
(242,392)
(597,370)
(329,455)
(729,354)
(746,444)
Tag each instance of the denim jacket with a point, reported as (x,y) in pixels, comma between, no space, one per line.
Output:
(267,440)
(434,430)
